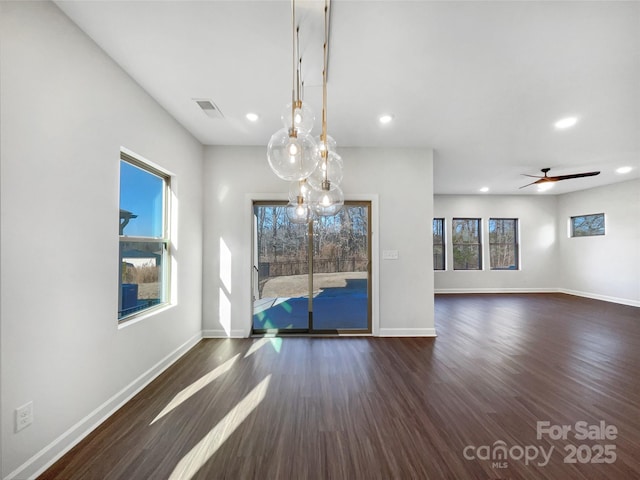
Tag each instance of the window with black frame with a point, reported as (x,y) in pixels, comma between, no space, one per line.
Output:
(503,243)
(439,259)
(587,225)
(467,247)
(144,238)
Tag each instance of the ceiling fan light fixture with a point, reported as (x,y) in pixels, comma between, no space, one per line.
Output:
(565,123)
(543,187)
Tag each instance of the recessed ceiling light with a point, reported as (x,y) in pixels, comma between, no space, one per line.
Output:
(484,189)
(252,117)
(384,119)
(623,170)
(543,187)
(567,122)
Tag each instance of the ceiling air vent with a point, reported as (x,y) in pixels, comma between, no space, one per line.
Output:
(208,107)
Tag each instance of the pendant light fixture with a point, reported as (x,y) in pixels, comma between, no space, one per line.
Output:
(327,197)
(299,209)
(329,168)
(292,152)
(298,113)
(299,189)
(313,166)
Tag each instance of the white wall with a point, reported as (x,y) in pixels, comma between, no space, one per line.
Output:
(66,109)
(605,267)
(399,181)
(538,243)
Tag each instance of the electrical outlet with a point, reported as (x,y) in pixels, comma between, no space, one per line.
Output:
(24,416)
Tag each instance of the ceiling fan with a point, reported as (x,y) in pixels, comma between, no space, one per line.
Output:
(547,178)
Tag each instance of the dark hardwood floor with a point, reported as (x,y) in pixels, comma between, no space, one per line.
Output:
(392,408)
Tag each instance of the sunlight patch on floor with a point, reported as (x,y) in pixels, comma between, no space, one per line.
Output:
(189,465)
(195,387)
(275,342)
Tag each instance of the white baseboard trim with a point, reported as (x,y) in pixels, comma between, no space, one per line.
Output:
(595,296)
(605,298)
(495,290)
(383,332)
(407,332)
(223,334)
(46,457)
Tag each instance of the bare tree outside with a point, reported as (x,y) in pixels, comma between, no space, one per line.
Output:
(466,244)
(438,244)
(503,243)
(587,225)
(340,243)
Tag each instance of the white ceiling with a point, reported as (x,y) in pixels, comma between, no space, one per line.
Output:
(479,82)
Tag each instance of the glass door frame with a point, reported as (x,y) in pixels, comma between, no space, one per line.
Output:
(367,204)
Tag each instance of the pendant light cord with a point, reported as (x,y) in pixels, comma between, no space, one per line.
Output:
(293,65)
(324,97)
(299,83)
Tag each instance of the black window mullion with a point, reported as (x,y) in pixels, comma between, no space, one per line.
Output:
(466,238)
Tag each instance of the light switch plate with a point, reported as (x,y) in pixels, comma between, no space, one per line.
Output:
(390,254)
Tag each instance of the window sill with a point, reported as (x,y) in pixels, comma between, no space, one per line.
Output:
(138,317)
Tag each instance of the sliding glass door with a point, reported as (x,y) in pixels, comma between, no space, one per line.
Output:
(312,278)
(280,268)
(341,270)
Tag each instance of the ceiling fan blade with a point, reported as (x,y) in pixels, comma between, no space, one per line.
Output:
(532,183)
(575,175)
(556,178)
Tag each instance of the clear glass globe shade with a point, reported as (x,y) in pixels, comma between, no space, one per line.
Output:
(303,117)
(292,158)
(299,189)
(327,202)
(331,143)
(333,168)
(299,213)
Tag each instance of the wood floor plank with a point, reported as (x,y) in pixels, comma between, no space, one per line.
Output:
(388,408)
